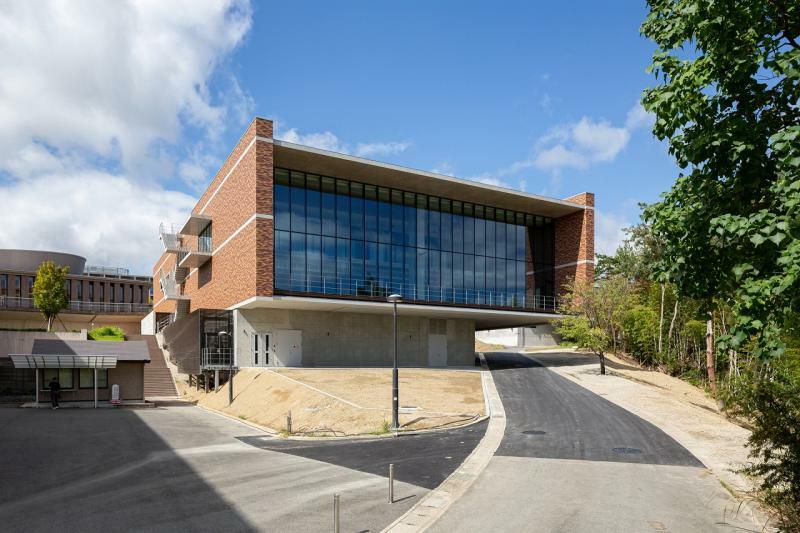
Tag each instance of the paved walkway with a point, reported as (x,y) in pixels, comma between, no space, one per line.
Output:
(186,469)
(572,461)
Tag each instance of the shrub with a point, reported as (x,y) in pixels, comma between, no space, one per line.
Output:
(107,333)
(640,327)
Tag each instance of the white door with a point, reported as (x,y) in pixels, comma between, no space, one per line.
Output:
(261,348)
(287,347)
(437,349)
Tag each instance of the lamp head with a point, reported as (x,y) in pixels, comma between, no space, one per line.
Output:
(394,298)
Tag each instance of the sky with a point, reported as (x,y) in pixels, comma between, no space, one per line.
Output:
(114,116)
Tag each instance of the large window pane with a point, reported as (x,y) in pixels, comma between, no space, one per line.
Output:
(343,265)
(342,209)
(328,225)
(282,260)
(410,273)
(370,213)
(499,234)
(313,215)
(490,233)
(357,265)
(282,201)
(298,266)
(469,229)
(447,226)
(371,263)
(385,264)
(328,264)
(398,214)
(458,276)
(410,223)
(422,220)
(314,262)
(384,216)
(434,274)
(434,224)
(422,273)
(357,211)
(298,199)
(458,227)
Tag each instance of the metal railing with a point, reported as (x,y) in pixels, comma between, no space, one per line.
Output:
(106,271)
(412,292)
(164,322)
(169,284)
(26,304)
(215,358)
(169,236)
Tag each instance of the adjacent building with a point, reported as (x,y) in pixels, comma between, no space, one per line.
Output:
(289,255)
(97,295)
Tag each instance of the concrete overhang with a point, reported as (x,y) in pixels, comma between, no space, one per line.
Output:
(333,164)
(484,318)
(194,259)
(195,224)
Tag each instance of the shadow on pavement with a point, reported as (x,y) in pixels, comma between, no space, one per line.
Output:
(100,470)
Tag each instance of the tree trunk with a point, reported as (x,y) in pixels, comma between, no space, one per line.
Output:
(661,319)
(710,363)
(49,323)
(602,362)
(672,324)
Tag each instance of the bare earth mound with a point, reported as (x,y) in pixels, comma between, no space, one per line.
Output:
(347,401)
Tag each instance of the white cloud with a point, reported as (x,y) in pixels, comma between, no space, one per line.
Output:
(546,103)
(112,78)
(379,149)
(107,218)
(329,141)
(445,169)
(609,232)
(639,118)
(580,144)
(97,100)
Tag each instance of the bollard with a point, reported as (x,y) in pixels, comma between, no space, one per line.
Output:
(391,482)
(335,513)
(289,422)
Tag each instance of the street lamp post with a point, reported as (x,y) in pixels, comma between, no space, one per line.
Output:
(223,334)
(394,298)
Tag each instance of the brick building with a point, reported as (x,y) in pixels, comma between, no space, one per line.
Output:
(290,253)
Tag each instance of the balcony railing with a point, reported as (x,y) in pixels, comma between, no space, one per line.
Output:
(216,358)
(26,304)
(204,244)
(413,293)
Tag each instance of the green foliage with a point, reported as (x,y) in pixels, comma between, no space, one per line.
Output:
(731,223)
(49,290)
(726,101)
(107,333)
(577,329)
(640,330)
(769,396)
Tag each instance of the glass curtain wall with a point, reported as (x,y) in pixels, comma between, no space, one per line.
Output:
(340,237)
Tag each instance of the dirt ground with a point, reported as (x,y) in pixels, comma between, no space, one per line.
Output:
(680,409)
(347,401)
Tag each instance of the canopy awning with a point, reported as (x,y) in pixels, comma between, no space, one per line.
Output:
(63,361)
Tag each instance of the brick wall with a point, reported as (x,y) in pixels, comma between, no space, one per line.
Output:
(237,198)
(574,244)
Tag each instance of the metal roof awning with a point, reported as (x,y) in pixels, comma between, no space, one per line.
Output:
(63,361)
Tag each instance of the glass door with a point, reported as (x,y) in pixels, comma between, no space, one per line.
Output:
(261,349)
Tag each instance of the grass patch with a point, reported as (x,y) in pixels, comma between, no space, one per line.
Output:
(384,429)
(107,333)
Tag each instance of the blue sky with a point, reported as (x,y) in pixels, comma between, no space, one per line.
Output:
(540,97)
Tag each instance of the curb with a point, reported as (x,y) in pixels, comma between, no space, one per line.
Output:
(431,507)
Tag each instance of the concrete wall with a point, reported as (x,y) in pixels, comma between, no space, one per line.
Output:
(129,323)
(355,339)
(148,324)
(529,337)
(505,337)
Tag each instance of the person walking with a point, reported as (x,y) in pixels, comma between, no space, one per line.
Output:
(55,389)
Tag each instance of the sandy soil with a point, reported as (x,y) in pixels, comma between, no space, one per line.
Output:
(481,346)
(347,401)
(681,410)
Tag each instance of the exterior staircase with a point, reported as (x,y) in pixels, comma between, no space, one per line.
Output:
(158,382)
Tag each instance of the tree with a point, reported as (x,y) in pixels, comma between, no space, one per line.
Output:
(578,330)
(729,83)
(49,291)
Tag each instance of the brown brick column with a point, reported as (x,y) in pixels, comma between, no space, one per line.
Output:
(574,244)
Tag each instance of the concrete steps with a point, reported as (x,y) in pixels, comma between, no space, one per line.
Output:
(158,382)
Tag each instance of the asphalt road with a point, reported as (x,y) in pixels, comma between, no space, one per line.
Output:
(424,460)
(572,461)
(185,469)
